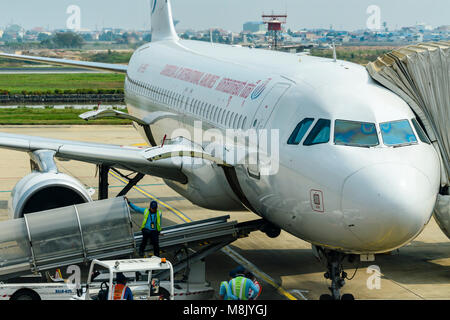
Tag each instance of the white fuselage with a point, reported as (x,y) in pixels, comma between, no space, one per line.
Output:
(368,199)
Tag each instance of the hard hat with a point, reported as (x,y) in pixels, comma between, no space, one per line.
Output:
(239,270)
(153,205)
(121,278)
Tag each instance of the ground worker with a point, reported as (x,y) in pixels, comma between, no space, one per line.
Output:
(252,277)
(225,291)
(121,291)
(151,226)
(242,287)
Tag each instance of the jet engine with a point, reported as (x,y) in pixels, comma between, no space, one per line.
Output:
(45,188)
(44,191)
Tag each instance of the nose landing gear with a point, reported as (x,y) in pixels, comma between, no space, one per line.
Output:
(336,274)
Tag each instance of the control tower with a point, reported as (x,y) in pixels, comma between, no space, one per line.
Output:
(275,23)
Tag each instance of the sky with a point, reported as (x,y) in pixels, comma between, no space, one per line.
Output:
(227,14)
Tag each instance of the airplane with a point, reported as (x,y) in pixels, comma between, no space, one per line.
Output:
(355,173)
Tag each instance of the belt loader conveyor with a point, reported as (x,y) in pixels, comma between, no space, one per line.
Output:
(99,230)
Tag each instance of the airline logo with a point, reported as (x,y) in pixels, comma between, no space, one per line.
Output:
(260,89)
(154,6)
(233,87)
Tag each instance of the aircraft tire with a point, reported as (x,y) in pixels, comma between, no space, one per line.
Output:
(348,297)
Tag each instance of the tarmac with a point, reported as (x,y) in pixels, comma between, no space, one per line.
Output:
(285,265)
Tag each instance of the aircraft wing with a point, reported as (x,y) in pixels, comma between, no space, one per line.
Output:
(117,68)
(155,161)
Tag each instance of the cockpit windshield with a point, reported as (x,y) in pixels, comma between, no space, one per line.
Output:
(397,133)
(356,134)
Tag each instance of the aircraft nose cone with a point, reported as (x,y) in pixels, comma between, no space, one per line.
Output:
(387,205)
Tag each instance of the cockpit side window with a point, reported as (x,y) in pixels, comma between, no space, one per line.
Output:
(355,134)
(300,131)
(319,134)
(422,136)
(397,133)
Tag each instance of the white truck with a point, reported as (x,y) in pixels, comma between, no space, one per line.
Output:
(142,290)
(30,289)
(139,273)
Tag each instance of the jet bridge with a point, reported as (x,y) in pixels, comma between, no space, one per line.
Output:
(420,75)
(102,230)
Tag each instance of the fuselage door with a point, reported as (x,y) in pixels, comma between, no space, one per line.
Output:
(267,106)
(262,116)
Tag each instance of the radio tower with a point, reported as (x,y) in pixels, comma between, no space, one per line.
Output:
(274,22)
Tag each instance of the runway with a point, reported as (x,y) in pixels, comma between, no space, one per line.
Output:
(45,70)
(286,267)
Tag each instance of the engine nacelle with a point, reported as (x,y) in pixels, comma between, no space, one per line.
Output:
(41,191)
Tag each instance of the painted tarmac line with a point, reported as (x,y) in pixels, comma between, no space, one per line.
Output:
(140,185)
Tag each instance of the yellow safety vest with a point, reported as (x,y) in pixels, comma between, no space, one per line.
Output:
(238,285)
(158,219)
(228,293)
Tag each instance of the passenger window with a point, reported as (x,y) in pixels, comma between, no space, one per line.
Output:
(236,122)
(227,117)
(205,111)
(244,122)
(319,134)
(230,124)
(300,131)
(210,112)
(239,124)
(420,132)
(214,113)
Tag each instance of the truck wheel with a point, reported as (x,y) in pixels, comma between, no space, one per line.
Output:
(26,295)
